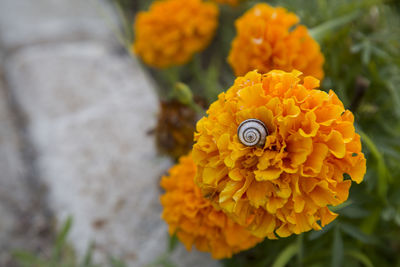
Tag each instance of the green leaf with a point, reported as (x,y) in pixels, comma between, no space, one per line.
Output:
(361,257)
(383,174)
(395,96)
(357,234)
(319,32)
(341,206)
(212,85)
(284,257)
(354,211)
(27,259)
(87,259)
(172,243)
(337,248)
(117,263)
(300,249)
(61,239)
(370,223)
(317,234)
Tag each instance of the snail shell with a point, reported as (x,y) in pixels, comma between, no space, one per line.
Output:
(252,132)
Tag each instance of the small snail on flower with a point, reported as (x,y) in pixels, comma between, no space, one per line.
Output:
(252,132)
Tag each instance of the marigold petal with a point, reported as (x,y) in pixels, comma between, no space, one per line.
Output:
(193,218)
(267,175)
(258,193)
(309,126)
(311,82)
(299,203)
(327,216)
(336,144)
(359,169)
(315,160)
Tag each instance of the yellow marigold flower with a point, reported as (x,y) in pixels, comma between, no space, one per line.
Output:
(195,220)
(266,40)
(173,30)
(285,185)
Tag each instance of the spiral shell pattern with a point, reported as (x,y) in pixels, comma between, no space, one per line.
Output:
(252,132)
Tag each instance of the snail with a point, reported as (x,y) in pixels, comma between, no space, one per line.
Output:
(252,132)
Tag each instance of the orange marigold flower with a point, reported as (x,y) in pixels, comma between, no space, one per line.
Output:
(266,40)
(285,185)
(173,30)
(195,220)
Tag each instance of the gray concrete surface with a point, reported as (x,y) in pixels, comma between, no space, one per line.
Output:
(24,220)
(25,22)
(85,109)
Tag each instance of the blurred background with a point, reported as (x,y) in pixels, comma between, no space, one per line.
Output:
(75,115)
(86,131)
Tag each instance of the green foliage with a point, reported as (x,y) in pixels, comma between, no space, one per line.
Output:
(284,257)
(361,43)
(173,242)
(62,254)
(363,67)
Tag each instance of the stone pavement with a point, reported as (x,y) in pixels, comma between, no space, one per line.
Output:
(24,220)
(75,117)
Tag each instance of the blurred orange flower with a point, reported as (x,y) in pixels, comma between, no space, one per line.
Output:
(195,220)
(268,39)
(285,185)
(173,30)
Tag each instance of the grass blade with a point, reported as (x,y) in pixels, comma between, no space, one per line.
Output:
(337,248)
(61,239)
(285,256)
